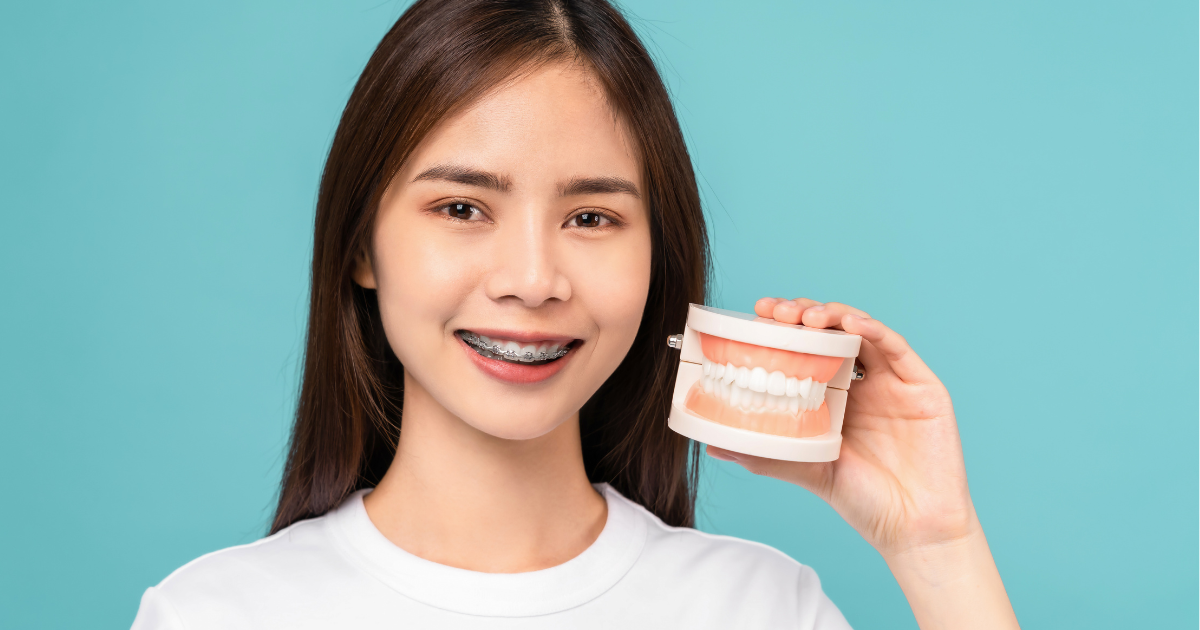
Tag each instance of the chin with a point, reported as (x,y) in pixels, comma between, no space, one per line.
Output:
(514,423)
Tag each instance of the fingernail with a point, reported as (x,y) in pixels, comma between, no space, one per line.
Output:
(855,316)
(817,308)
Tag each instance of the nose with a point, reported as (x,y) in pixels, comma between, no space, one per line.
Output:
(525,265)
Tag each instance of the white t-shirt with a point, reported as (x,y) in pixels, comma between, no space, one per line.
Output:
(339,571)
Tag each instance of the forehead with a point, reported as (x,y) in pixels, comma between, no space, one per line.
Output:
(554,121)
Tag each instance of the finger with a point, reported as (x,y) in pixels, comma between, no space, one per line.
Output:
(765,306)
(815,477)
(790,311)
(720,453)
(900,357)
(829,315)
(872,360)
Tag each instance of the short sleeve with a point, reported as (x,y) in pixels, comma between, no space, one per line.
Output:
(817,610)
(156,613)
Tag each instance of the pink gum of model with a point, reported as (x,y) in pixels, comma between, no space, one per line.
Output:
(805,423)
(792,364)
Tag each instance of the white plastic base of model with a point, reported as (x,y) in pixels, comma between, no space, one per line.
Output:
(760,331)
(821,448)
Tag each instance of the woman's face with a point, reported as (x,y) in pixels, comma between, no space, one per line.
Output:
(520,223)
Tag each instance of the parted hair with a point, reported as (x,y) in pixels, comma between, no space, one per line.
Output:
(440,57)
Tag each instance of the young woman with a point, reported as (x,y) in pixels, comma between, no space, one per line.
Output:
(514,170)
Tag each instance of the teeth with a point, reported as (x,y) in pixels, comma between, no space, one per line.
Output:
(756,390)
(513,351)
(730,373)
(777,383)
(758,380)
(743,377)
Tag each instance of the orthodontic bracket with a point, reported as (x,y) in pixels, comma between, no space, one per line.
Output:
(474,341)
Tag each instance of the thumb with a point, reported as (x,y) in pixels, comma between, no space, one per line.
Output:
(816,477)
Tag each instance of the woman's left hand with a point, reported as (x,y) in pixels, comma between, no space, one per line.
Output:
(900,479)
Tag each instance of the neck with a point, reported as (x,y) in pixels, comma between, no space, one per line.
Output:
(461,497)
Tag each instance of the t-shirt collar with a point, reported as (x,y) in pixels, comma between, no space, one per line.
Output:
(543,592)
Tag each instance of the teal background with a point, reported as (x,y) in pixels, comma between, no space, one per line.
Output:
(1011,185)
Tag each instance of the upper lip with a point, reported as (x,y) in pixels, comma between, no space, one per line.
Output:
(527,336)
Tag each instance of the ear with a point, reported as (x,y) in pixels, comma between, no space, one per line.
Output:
(364,273)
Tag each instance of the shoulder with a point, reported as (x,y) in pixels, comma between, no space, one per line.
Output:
(282,555)
(698,549)
(752,584)
(274,573)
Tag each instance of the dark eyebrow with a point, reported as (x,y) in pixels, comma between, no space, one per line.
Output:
(466,175)
(598,185)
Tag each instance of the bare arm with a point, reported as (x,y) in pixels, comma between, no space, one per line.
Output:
(900,480)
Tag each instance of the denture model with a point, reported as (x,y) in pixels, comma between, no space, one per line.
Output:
(761,387)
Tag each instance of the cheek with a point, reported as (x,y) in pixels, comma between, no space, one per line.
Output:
(420,285)
(614,285)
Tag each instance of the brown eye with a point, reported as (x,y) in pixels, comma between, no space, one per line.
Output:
(462,212)
(590,220)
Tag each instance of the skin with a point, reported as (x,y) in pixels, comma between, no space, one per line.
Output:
(900,479)
(488,474)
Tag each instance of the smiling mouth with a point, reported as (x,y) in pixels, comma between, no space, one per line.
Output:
(515,352)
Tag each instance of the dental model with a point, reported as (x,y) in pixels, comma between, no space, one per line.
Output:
(757,386)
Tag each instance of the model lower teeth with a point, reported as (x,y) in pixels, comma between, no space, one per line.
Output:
(513,351)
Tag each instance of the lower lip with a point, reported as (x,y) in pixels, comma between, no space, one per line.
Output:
(515,373)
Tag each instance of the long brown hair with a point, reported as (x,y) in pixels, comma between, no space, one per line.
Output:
(441,56)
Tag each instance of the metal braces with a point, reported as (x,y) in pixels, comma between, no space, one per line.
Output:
(496,351)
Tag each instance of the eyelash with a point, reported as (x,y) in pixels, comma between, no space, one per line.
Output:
(444,211)
(612,221)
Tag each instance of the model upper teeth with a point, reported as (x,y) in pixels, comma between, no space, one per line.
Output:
(513,351)
(755,389)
